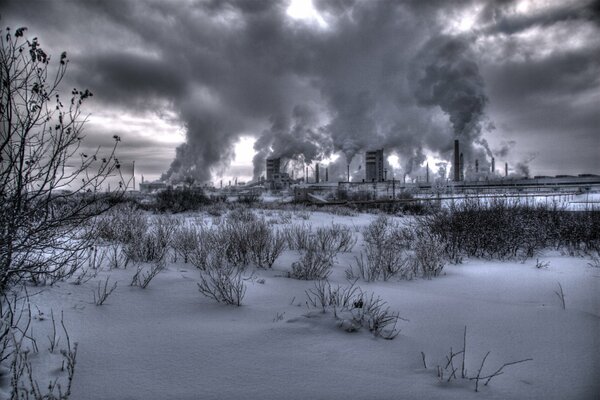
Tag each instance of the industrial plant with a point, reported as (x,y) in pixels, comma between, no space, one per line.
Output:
(371,181)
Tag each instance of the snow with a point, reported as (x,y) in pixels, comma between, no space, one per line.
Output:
(169,342)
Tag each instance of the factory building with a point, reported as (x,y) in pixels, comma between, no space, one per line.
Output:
(273,167)
(277,180)
(374,166)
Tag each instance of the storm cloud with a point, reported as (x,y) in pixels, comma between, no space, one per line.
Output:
(405,76)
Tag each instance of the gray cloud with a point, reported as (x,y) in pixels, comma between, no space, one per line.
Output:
(381,74)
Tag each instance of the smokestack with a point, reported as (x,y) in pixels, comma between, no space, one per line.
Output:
(456,167)
(348,172)
(461,167)
(493,165)
(221,183)
(476,166)
(427,179)
(506,169)
(306,175)
(317,173)
(326,174)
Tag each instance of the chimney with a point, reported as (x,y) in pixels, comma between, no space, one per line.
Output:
(326,174)
(456,166)
(476,166)
(317,173)
(505,169)
(348,172)
(427,173)
(306,175)
(493,165)
(461,167)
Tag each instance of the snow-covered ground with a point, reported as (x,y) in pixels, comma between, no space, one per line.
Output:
(169,342)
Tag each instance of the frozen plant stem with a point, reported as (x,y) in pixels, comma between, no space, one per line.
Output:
(561,295)
(102,292)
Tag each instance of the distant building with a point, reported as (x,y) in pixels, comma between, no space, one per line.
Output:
(276,179)
(374,166)
(273,167)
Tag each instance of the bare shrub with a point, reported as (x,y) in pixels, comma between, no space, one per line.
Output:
(266,246)
(222,282)
(354,309)
(313,264)
(153,245)
(298,236)
(205,243)
(216,209)
(123,224)
(386,253)
(561,295)
(449,371)
(142,278)
(49,186)
(17,344)
(305,215)
(335,238)
(102,291)
(428,254)
(502,229)
(242,242)
(185,241)
(241,214)
(180,200)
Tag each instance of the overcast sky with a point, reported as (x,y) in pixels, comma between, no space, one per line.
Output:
(183,82)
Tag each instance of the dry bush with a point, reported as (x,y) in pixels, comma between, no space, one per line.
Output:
(298,236)
(502,229)
(18,347)
(266,246)
(222,282)
(386,252)
(354,309)
(313,264)
(332,239)
(429,254)
(185,241)
(153,245)
(102,291)
(241,214)
(142,278)
(238,242)
(122,224)
(454,369)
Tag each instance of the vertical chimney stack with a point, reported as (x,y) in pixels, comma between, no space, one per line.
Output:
(348,172)
(317,173)
(427,173)
(456,166)
(493,165)
(326,174)
(505,169)
(476,166)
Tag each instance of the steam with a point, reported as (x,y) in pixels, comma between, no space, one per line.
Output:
(446,75)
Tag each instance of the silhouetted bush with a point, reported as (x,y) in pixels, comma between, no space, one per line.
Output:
(501,229)
(180,200)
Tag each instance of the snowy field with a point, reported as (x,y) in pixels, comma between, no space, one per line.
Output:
(169,342)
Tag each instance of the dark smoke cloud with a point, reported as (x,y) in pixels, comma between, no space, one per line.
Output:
(446,75)
(381,74)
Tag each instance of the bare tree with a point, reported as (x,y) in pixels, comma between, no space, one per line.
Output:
(49,188)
